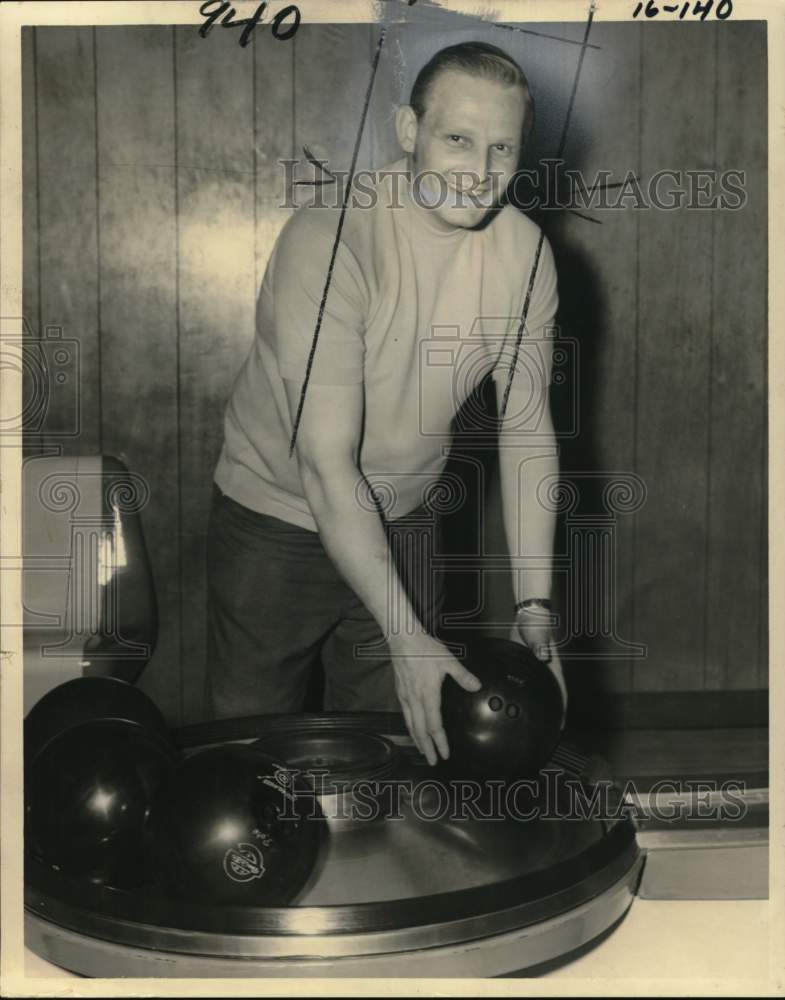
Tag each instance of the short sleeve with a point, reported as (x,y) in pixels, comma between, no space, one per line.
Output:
(533,363)
(307,264)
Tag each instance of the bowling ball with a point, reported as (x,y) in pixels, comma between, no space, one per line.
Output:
(88,801)
(509,728)
(88,699)
(232,826)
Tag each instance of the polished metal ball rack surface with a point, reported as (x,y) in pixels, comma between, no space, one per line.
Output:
(404,896)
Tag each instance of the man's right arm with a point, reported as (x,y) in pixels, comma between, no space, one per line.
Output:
(327,452)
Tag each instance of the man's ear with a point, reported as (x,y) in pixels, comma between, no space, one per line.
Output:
(406,127)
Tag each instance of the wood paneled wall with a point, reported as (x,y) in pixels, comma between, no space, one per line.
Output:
(151,194)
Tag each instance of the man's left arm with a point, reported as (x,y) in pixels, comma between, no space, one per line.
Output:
(528,462)
(529,465)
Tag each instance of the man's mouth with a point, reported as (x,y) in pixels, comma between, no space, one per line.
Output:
(473,198)
(468,196)
(470,192)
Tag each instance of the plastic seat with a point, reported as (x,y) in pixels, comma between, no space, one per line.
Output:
(89,596)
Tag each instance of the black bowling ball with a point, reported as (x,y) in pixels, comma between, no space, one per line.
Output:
(88,699)
(234,827)
(510,727)
(88,802)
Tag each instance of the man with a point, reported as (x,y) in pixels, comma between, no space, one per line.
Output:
(303,561)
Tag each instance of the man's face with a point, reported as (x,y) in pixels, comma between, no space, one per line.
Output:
(466,146)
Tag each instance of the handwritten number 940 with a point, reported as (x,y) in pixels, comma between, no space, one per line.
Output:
(212,10)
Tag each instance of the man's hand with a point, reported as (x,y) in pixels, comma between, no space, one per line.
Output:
(421,664)
(533,629)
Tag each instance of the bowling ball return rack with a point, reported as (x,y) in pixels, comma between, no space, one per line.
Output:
(396,897)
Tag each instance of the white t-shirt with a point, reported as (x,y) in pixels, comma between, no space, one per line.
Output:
(419,315)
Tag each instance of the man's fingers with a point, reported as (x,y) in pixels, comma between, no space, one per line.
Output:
(433,719)
(558,673)
(440,739)
(414,717)
(424,741)
(537,637)
(430,750)
(465,678)
(407,718)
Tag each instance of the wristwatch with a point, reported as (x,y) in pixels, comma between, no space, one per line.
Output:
(540,603)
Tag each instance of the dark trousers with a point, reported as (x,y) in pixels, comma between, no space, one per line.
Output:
(277,606)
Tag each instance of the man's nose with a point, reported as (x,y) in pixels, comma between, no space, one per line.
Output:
(480,169)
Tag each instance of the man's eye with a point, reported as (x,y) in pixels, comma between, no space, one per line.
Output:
(456,139)
(502,147)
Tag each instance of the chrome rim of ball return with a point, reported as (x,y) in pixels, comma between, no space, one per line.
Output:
(576,881)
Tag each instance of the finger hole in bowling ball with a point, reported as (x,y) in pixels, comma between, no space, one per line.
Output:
(488,743)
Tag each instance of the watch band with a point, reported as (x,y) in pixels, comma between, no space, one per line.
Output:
(533,602)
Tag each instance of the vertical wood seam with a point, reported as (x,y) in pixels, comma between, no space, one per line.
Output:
(178,443)
(255,167)
(37,134)
(99,380)
(762,660)
(710,381)
(35,322)
(633,673)
(764,568)
(764,648)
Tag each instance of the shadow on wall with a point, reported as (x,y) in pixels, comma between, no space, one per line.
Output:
(581,317)
(486,598)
